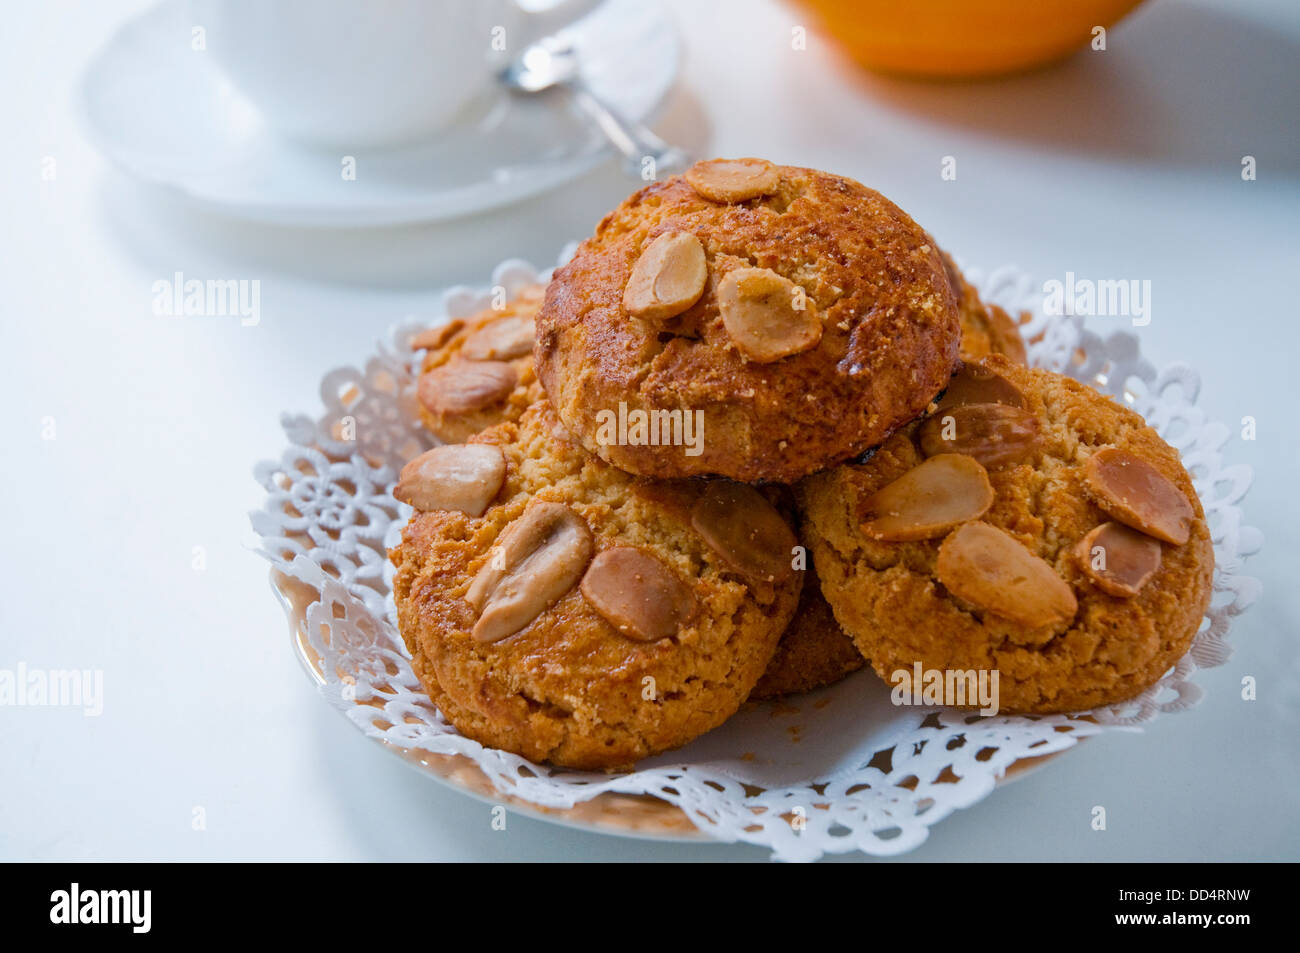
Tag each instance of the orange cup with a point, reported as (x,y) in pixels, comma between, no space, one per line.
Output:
(963,38)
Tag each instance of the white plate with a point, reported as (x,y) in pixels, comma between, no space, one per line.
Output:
(166,114)
(861,773)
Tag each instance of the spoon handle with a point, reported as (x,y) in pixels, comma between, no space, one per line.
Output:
(634,140)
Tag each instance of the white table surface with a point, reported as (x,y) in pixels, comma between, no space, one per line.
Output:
(1117,164)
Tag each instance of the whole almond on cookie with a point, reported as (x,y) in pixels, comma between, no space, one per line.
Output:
(667,278)
(538,558)
(461,477)
(733,180)
(436,337)
(987,567)
(637,594)
(994,434)
(767,316)
(741,526)
(1134,492)
(929,500)
(1118,559)
(977,383)
(463,386)
(501,340)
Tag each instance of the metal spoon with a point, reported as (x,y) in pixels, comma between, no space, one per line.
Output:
(553,62)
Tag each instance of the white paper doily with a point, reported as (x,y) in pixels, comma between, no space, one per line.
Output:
(836,770)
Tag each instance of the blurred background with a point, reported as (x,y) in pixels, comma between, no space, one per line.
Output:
(136,149)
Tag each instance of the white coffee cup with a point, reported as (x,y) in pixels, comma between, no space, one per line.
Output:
(354,74)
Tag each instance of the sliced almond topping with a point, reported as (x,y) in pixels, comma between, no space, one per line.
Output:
(987,567)
(768,317)
(977,383)
(466,386)
(994,434)
(741,526)
(668,277)
(733,180)
(1134,492)
(637,594)
(501,340)
(1118,559)
(435,337)
(929,500)
(462,477)
(537,559)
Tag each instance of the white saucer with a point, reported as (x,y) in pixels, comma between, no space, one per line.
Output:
(167,115)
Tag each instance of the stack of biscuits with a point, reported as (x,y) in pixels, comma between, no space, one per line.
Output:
(758,433)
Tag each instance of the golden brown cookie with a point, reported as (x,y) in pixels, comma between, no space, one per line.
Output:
(813,652)
(586,617)
(800,315)
(479,370)
(1030,526)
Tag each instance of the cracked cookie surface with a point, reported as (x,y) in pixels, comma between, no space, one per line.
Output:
(890,596)
(825,318)
(569,687)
